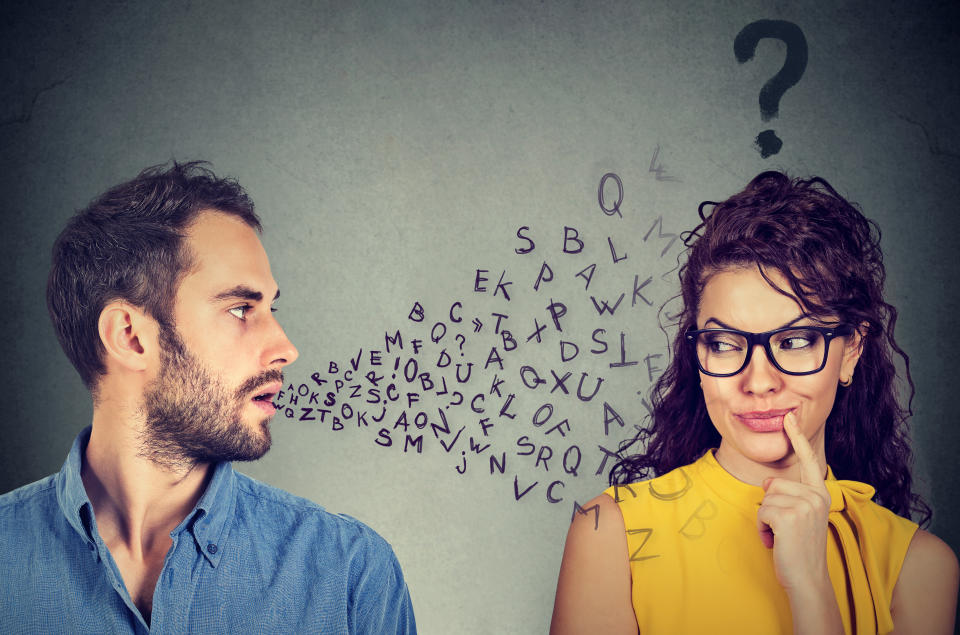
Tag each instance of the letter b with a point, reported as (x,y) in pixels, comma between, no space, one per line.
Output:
(567,239)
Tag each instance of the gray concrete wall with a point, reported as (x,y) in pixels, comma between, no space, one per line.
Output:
(395,148)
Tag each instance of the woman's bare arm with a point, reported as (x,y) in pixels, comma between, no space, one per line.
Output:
(925,596)
(593,591)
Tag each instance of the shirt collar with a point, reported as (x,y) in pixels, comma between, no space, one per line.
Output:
(208,522)
(71,495)
(749,496)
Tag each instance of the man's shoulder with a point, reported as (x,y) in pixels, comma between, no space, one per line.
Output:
(28,513)
(351,562)
(273,496)
(303,518)
(32,494)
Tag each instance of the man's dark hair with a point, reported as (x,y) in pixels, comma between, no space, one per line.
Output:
(128,245)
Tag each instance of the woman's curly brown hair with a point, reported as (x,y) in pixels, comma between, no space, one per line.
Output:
(829,252)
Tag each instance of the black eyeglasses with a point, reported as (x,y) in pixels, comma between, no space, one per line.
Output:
(794,350)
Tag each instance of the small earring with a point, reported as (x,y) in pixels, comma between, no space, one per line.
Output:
(846,382)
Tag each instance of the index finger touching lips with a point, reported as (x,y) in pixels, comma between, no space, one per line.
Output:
(810,472)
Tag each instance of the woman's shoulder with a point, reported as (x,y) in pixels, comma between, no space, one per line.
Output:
(888,531)
(925,595)
(601,519)
(593,589)
(928,556)
(670,486)
(929,553)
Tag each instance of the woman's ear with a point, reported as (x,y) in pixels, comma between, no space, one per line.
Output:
(852,350)
(128,335)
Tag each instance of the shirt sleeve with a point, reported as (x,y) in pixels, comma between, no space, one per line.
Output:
(381,601)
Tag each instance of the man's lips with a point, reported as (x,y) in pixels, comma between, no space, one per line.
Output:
(263,396)
(763,420)
(268,389)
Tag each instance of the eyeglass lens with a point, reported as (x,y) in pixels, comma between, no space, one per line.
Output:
(795,351)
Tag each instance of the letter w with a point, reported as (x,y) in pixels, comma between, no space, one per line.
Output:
(602,306)
(476,447)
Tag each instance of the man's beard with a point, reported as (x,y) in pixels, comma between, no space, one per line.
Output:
(191,417)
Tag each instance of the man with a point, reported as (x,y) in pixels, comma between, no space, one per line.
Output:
(161,294)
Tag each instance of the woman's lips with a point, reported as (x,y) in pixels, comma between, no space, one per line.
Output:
(763,421)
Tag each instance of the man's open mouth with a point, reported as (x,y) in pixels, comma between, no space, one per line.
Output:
(267,395)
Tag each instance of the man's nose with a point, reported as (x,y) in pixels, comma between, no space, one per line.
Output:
(280,350)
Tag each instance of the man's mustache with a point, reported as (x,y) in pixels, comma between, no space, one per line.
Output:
(266,377)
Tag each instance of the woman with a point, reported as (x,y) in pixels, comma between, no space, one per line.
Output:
(781,367)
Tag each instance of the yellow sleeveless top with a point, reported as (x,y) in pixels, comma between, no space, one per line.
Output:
(698,565)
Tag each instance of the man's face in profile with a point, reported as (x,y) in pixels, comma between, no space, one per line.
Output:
(220,365)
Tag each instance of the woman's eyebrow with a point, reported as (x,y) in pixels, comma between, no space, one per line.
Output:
(783,326)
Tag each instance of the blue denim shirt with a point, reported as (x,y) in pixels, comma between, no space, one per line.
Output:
(249,558)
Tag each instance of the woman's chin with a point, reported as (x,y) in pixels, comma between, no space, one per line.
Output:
(762,450)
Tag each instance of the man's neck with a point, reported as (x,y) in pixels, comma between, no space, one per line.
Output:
(136,502)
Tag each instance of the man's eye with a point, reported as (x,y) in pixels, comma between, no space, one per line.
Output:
(239,312)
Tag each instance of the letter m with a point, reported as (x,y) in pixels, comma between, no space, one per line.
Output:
(417,443)
(658,224)
(580,510)
(397,339)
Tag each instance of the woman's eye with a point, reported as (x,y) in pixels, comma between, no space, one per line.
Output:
(720,346)
(796,341)
(240,312)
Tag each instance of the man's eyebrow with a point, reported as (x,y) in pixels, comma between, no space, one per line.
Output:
(241,292)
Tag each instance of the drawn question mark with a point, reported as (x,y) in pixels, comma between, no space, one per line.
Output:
(744,47)
(460,338)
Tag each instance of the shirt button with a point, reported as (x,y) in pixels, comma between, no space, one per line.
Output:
(211,548)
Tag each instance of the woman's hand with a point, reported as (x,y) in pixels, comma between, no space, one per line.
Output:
(792,520)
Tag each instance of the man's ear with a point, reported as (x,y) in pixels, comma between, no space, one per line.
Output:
(128,334)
